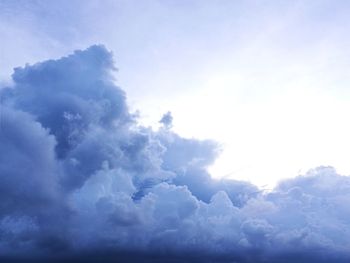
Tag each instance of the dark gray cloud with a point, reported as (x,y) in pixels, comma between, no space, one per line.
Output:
(81,181)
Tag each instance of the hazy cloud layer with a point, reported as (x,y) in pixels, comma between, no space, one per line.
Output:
(81,180)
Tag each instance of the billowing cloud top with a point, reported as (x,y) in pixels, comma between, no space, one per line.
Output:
(81,180)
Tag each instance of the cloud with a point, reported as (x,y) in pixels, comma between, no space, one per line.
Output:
(167,120)
(81,181)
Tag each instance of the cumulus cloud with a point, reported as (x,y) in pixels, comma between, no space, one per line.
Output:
(82,181)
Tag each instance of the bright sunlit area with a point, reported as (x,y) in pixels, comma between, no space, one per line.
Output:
(277,110)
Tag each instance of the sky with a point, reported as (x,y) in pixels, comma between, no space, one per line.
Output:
(174,131)
(269,78)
